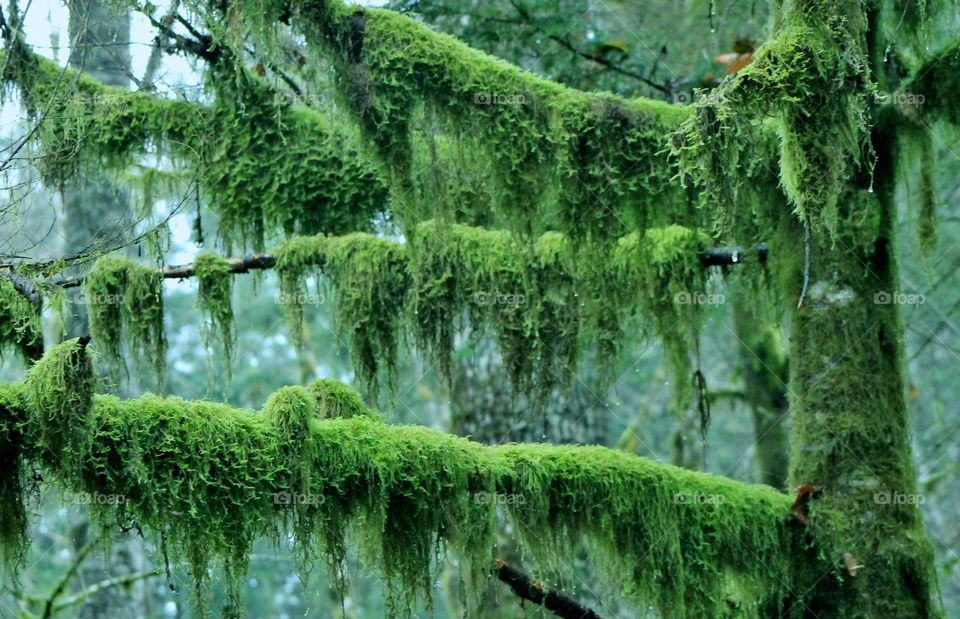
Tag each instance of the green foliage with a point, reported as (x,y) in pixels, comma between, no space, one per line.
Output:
(125,304)
(215,299)
(20,326)
(211,479)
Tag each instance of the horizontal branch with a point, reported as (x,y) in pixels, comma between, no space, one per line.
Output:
(214,478)
(245,264)
(529,589)
(717,256)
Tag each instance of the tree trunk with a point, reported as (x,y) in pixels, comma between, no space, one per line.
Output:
(765,377)
(95,212)
(849,419)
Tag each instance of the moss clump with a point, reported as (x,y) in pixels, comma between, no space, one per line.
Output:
(334,400)
(125,304)
(215,299)
(543,300)
(60,394)
(813,77)
(209,478)
(14,536)
(20,326)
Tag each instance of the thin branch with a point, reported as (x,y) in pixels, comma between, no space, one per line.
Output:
(62,584)
(531,590)
(107,583)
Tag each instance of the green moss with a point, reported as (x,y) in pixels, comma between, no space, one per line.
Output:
(20,326)
(543,301)
(263,165)
(60,396)
(370,280)
(589,165)
(209,477)
(14,535)
(336,400)
(813,77)
(215,299)
(125,305)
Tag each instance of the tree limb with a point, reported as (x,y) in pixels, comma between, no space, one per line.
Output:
(532,590)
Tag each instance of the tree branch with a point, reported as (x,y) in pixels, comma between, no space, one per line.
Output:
(532,590)
(717,256)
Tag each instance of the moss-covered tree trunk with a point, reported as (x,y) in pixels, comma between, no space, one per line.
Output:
(849,423)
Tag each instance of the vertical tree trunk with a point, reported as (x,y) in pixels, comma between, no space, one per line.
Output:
(849,421)
(97,211)
(764,363)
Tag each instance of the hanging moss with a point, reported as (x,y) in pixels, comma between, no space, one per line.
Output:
(60,397)
(264,165)
(813,78)
(213,479)
(543,301)
(552,151)
(20,326)
(125,305)
(14,536)
(371,283)
(215,299)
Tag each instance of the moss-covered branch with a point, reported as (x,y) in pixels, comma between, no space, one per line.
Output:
(584,163)
(271,167)
(213,479)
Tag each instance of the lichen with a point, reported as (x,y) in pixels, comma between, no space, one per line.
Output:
(212,479)
(215,300)
(125,305)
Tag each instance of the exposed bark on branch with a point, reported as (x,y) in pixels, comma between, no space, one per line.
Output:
(529,589)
